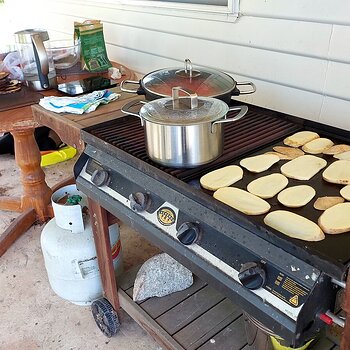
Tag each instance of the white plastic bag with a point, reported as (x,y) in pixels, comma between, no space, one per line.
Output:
(11,64)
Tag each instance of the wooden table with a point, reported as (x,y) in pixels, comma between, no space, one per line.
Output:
(34,204)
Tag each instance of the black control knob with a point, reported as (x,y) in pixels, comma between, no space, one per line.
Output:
(188,233)
(100,177)
(252,275)
(139,201)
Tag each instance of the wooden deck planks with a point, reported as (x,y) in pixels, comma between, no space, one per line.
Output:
(198,318)
(127,279)
(206,326)
(157,306)
(162,337)
(190,309)
(231,337)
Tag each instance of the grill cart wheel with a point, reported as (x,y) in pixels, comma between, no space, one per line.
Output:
(105,317)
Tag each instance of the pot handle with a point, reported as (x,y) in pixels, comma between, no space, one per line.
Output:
(191,98)
(243,111)
(253,89)
(129,82)
(41,60)
(188,67)
(126,109)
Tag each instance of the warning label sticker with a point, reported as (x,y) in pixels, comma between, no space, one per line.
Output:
(288,290)
(294,300)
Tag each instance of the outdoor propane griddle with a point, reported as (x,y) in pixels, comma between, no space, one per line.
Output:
(302,277)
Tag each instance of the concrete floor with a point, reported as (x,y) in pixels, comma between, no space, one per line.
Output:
(32,316)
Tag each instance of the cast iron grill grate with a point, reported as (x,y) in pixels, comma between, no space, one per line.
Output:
(255,130)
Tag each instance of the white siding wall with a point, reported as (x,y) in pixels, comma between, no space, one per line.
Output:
(296,52)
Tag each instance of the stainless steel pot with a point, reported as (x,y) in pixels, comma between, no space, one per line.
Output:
(203,81)
(184,132)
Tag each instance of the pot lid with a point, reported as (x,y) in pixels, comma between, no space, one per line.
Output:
(186,110)
(204,81)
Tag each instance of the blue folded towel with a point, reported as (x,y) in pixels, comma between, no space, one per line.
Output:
(80,104)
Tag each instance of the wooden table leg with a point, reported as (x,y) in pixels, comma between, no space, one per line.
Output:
(35,201)
(99,222)
(10,203)
(15,230)
(345,341)
(36,193)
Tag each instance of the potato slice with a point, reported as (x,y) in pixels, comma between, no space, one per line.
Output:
(300,138)
(336,219)
(242,200)
(343,155)
(337,149)
(323,203)
(338,172)
(296,196)
(318,145)
(223,177)
(345,192)
(257,164)
(280,155)
(294,225)
(268,186)
(303,168)
(289,151)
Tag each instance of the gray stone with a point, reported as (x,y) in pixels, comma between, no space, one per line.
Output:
(159,276)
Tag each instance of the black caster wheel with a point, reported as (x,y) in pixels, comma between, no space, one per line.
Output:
(105,317)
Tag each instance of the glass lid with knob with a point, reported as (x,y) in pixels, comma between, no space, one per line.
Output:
(202,81)
(183,110)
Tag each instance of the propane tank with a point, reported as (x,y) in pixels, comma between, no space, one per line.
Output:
(70,255)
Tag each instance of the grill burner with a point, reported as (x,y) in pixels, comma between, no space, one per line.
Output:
(298,275)
(252,132)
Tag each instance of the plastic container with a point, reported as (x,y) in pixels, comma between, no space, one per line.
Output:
(277,346)
(259,337)
(53,157)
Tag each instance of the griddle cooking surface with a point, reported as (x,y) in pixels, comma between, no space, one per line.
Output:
(333,247)
(253,131)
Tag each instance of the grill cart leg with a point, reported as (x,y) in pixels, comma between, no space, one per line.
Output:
(345,342)
(99,221)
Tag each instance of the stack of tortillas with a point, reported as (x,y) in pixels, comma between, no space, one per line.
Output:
(8,86)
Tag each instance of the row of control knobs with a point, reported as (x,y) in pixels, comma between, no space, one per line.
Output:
(252,275)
